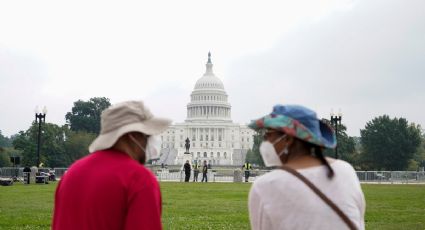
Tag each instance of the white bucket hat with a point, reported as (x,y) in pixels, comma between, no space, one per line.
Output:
(125,117)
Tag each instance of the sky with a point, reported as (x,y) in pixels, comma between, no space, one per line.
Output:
(365,58)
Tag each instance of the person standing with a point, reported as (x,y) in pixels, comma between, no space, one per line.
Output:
(204,172)
(247,167)
(195,172)
(111,188)
(306,190)
(187,169)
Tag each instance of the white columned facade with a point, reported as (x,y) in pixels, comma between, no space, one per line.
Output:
(213,136)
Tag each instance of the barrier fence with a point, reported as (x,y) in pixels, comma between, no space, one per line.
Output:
(237,175)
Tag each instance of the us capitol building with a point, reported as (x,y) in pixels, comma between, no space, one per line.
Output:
(212,134)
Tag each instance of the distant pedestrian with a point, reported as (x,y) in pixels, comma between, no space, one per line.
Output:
(187,169)
(205,172)
(110,188)
(247,168)
(195,172)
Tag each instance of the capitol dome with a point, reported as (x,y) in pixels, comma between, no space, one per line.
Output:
(209,80)
(208,100)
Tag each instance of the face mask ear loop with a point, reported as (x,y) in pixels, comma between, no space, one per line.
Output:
(278,139)
(137,143)
(285,151)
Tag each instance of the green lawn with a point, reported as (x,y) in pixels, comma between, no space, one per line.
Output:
(214,206)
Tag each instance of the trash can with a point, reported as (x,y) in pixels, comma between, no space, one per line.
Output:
(237,175)
(26,178)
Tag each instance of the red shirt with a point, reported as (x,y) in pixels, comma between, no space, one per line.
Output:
(107,190)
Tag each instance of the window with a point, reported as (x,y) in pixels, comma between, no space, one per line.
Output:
(205,154)
(219,144)
(247,139)
(218,154)
(225,155)
(212,154)
(198,154)
(193,144)
(206,137)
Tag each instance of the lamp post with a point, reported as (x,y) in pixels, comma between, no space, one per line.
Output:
(336,121)
(40,117)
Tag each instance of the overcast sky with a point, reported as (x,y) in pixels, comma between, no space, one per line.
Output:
(364,57)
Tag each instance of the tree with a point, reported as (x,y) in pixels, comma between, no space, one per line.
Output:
(6,153)
(77,144)
(389,144)
(52,151)
(4,141)
(253,156)
(85,115)
(419,157)
(346,145)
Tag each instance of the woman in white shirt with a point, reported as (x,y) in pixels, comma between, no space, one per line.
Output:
(295,138)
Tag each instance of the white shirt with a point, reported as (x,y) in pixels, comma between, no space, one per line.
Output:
(279,200)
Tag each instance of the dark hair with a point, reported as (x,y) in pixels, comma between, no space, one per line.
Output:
(319,154)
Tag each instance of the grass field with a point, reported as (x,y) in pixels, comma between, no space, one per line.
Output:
(214,206)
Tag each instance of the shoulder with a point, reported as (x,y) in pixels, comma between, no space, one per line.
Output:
(342,167)
(275,178)
(140,177)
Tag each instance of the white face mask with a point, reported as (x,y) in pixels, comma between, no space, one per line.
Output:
(152,147)
(269,154)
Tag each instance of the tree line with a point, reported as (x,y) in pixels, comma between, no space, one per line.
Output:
(384,144)
(60,145)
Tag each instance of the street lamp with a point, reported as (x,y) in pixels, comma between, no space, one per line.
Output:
(336,121)
(40,117)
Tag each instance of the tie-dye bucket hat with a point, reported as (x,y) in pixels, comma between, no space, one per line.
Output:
(299,122)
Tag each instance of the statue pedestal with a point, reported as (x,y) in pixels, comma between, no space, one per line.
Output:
(187,157)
